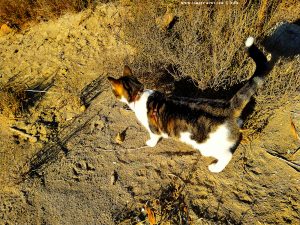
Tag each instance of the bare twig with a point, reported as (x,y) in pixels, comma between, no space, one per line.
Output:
(132,149)
(39,91)
(23,134)
(291,164)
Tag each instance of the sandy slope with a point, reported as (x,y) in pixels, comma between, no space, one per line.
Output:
(70,179)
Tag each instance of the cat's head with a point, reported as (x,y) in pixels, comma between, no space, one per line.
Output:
(126,88)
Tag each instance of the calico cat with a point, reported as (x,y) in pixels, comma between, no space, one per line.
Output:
(211,126)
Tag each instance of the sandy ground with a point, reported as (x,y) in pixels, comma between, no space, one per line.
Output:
(77,173)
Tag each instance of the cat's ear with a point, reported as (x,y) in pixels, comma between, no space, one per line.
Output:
(111,79)
(127,71)
(114,82)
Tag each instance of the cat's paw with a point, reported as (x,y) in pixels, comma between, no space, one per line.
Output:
(151,143)
(215,168)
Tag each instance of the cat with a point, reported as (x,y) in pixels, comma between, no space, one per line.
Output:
(211,126)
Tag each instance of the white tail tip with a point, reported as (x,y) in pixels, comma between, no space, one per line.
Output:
(249,41)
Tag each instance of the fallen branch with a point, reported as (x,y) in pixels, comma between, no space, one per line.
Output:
(291,164)
(23,134)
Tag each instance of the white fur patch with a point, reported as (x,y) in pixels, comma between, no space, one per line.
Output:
(164,135)
(249,41)
(140,108)
(217,145)
(124,100)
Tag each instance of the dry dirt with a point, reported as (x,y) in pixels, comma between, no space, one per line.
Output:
(78,173)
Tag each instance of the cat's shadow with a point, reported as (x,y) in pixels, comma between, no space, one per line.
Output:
(283,42)
(186,87)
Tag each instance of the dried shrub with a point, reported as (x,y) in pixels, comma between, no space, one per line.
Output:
(18,12)
(206,43)
(12,100)
(170,207)
(203,43)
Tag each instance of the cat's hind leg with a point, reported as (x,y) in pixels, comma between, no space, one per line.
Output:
(223,159)
(154,138)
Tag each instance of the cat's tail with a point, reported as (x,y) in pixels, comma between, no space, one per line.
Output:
(243,96)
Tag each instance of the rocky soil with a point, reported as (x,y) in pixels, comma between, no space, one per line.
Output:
(78,157)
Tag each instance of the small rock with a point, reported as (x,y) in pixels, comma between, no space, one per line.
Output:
(120,137)
(5,29)
(113,178)
(32,139)
(90,167)
(69,116)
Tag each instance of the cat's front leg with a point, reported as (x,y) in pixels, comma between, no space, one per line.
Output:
(154,138)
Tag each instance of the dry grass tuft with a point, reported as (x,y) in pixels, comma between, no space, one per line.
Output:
(12,99)
(203,43)
(19,12)
(169,208)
